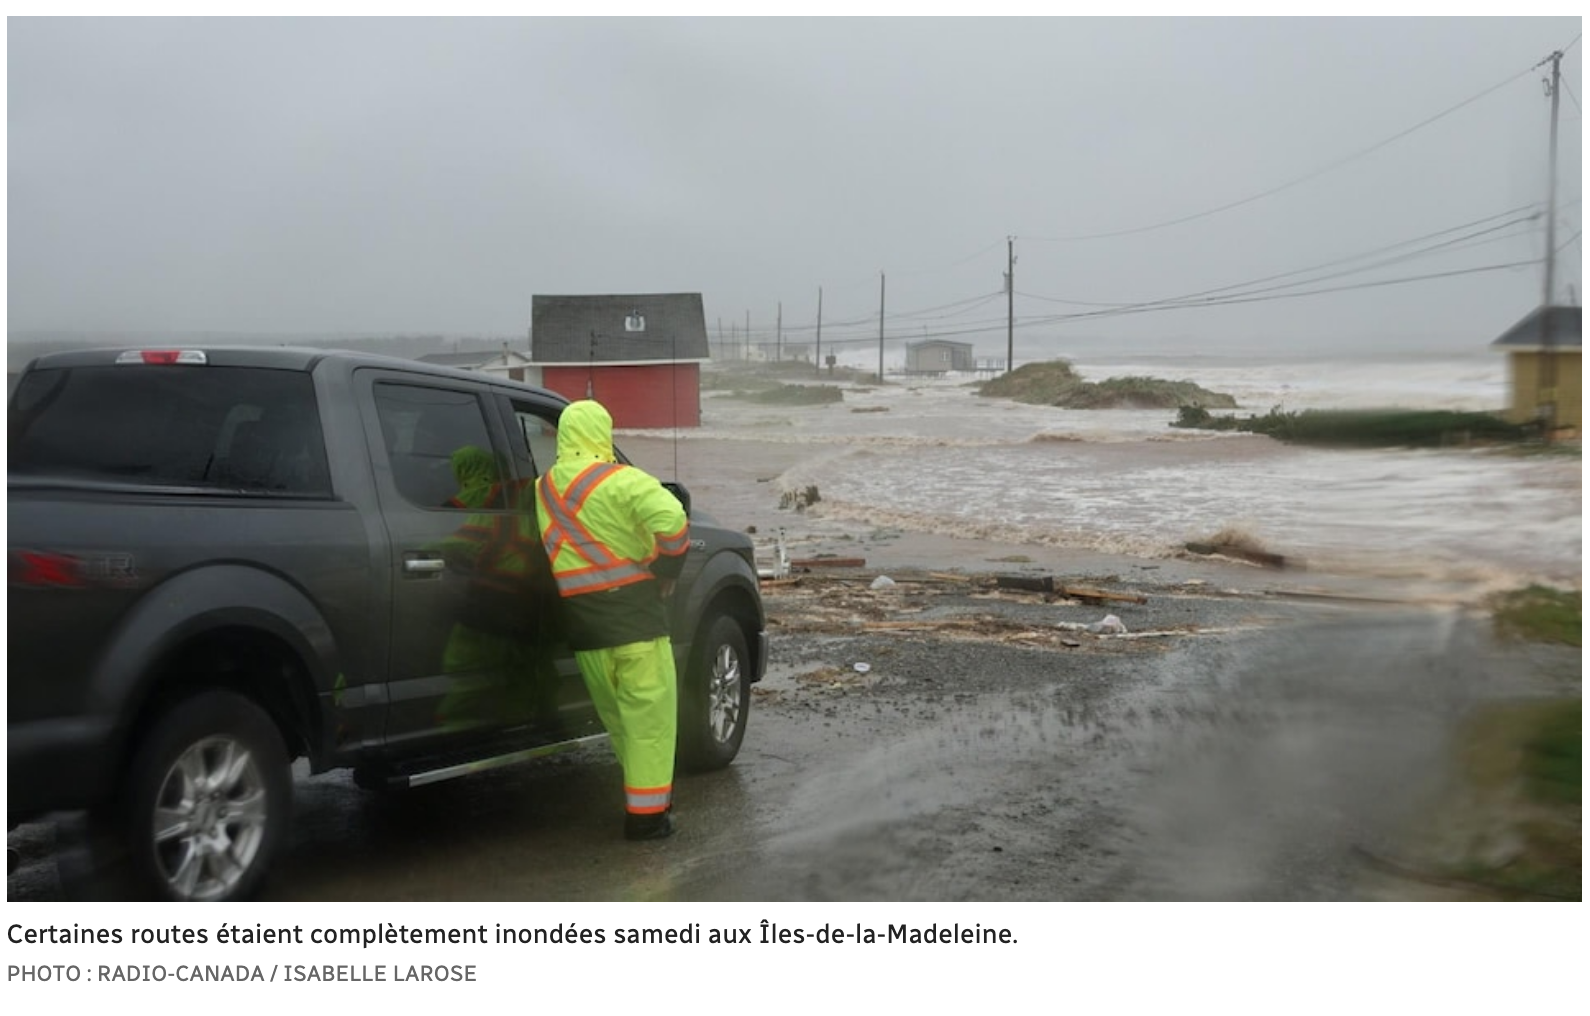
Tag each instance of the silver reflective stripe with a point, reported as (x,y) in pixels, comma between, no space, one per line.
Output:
(640,800)
(674,544)
(614,575)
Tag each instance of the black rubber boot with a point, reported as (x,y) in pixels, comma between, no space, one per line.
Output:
(649,827)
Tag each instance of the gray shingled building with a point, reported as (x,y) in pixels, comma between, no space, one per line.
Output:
(639,354)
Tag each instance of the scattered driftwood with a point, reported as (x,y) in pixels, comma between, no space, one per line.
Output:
(1047,584)
(829,562)
(1263,557)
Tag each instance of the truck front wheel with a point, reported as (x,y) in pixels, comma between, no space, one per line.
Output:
(715,697)
(207,800)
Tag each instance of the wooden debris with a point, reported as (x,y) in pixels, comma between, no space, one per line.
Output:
(829,562)
(1261,557)
(1027,583)
(1047,584)
(1099,595)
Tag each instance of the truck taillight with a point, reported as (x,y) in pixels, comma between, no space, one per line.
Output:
(42,569)
(161,357)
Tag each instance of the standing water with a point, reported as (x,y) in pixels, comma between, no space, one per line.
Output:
(932,456)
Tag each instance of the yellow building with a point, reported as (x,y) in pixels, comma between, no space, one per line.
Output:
(1543,368)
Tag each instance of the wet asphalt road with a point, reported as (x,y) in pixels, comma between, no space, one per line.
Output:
(1253,762)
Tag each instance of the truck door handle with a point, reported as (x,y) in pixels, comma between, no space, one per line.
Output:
(424,565)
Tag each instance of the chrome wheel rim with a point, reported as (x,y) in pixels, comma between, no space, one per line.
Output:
(209,818)
(723,696)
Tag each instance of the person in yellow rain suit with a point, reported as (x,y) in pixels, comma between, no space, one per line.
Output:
(617,539)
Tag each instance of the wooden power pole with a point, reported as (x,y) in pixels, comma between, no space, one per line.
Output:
(881,282)
(1010,304)
(1546,394)
(818,358)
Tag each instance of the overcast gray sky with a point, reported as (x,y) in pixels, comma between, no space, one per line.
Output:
(403,176)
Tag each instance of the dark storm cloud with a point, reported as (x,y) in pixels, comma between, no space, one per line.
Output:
(394,175)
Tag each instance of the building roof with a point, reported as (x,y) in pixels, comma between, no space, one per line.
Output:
(1543,326)
(937,342)
(602,329)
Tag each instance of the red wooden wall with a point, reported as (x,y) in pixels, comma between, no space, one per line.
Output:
(653,396)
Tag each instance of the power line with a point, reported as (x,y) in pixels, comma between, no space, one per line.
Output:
(1245,292)
(1332,264)
(1291,183)
(1575,98)
(999,326)
(967,305)
(1251,298)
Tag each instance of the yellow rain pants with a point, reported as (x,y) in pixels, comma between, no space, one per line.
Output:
(635,691)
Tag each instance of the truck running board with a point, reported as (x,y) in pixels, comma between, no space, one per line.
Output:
(419,778)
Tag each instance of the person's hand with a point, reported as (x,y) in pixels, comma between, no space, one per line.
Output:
(665,588)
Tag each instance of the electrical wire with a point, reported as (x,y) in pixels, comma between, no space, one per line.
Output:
(1029,323)
(1291,183)
(1329,264)
(1575,98)
(1255,298)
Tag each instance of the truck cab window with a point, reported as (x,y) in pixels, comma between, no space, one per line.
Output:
(437,444)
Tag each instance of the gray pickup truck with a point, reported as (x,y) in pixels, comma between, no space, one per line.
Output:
(222,560)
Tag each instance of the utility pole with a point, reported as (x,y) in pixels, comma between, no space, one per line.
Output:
(779,354)
(1553,88)
(1010,305)
(818,359)
(1546,394)
(747,333)
(881,282)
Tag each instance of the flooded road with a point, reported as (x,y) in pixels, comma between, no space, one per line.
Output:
(1229,748)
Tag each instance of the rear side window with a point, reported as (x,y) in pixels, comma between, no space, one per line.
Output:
(235,428)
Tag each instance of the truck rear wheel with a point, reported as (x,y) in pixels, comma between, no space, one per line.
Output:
(206,803)
(715,697)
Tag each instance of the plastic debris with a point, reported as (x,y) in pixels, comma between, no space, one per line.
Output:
(882,582)
(862,668)
(1109,625)
(781,563)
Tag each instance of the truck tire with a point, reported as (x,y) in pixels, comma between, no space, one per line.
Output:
(207,801)
(715,697)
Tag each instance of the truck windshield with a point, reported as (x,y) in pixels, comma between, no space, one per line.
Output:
(235,428)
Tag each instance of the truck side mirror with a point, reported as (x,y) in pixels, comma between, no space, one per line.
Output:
(678,490)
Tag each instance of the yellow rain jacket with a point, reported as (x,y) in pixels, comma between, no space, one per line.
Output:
(610,531)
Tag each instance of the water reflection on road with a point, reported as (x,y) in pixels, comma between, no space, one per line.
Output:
(1242,766)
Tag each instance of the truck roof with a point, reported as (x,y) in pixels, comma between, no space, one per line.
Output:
(275,358)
